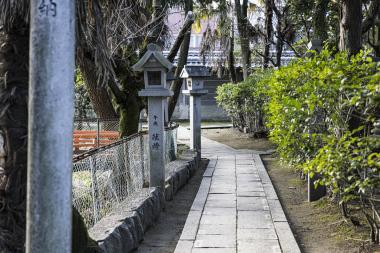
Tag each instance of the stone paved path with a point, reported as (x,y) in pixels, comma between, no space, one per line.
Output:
(236,209)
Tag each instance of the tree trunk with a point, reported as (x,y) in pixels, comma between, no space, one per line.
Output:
(181,35)
(127,102)
(371,28)
(351,40)
(14,59)
(373,13)
(242,19)
(268,31)
(319,20)
(129,115)
(158,25)
(100,100)
(177,84)
(375,44)
(231,57)
(82,243)
(280,41)
(351,26)
(245,56)
(182,60)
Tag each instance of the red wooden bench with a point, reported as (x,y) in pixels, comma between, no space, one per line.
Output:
(87,139)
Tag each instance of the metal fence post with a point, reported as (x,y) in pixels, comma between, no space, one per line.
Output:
(173,144)
(50,134)
(128,168)
(97,132)
(142,152)
(95,189)
(175,141)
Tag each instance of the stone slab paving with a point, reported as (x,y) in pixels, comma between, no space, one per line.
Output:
(236,209)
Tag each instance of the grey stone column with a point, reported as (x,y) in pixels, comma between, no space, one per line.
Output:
(51,113)
(195,122)
(195,119)
(156,141)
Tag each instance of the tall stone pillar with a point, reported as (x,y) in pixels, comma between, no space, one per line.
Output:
(51,116)
(195,119)
(156,140)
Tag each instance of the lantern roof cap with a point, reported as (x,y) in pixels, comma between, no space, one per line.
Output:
(154,51)
(195,71)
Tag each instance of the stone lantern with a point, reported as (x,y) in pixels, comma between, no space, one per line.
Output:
(194,77)
(315,44)
(155,66)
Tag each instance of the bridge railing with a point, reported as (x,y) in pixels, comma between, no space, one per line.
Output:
(105,176)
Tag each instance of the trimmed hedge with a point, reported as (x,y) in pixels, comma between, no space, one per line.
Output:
(244,102)
(320,111)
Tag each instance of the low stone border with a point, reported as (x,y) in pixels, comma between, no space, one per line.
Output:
(179,172)
(124,228)
(285,235)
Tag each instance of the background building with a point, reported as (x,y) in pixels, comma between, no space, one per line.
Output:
(210,110)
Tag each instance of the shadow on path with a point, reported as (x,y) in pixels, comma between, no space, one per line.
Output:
(163,237)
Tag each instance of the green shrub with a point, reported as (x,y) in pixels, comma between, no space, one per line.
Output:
(320,111)
(348,165)
(317,97)
(244,101)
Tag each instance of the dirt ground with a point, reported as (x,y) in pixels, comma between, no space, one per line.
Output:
(237,140)
(163,236)
(318,226)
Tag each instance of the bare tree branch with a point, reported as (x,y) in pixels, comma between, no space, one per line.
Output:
(177,44)
(374,10)
(268,58)
(293,49)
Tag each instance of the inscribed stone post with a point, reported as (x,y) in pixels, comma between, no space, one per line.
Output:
(50,132)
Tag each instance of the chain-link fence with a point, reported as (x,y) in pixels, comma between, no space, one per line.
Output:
(92,133)
(105,176)
(96,124)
